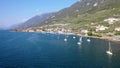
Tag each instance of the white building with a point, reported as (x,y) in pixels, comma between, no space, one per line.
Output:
(111,20)
(31,30)
(84,32)
(101,28)
(117,29)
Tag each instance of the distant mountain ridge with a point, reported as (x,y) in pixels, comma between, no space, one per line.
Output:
(34,21)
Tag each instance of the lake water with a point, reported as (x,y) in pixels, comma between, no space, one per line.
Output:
(40,50)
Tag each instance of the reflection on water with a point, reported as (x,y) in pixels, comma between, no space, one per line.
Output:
(109,59)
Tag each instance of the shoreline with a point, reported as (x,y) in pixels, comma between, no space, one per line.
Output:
(109,38)
(113,38)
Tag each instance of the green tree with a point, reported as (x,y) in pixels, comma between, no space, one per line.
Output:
(90,33)
(99,35)
(117,33)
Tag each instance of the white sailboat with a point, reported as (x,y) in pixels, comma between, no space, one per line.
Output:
(109,50)
(80,41)
(65,39)
(74,37)
(88,40)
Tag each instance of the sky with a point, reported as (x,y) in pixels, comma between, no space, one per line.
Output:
(18,11)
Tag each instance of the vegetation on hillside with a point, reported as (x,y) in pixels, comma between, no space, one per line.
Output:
(86,15)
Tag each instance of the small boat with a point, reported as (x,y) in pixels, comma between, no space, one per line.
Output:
(88,40)
(109,50)
(74,37)
(65,39)
(80,41)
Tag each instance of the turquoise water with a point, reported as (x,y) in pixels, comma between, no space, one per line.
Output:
(40,50)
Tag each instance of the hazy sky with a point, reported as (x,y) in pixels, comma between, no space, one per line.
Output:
(16,11)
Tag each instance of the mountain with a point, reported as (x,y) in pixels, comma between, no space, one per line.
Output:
(33,21)
(86,12)
(85,15)
(85,7)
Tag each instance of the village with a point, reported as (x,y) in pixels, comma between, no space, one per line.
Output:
(59,29)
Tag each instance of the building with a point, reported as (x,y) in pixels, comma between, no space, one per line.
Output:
(117,29)
(111,20)
(84,32)
(100,28)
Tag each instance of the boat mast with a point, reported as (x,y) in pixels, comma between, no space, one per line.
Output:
(110,47)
